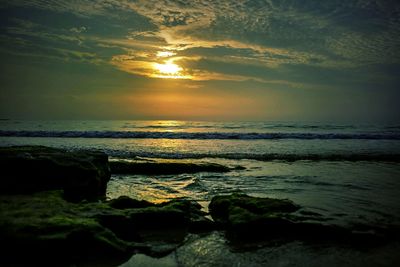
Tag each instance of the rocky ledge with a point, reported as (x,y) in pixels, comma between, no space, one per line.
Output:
(165,167)
(53,212)
(45,228)
(29,169)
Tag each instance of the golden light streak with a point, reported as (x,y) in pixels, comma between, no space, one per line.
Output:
(165,54)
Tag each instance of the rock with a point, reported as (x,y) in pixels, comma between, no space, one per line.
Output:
(121,225)
(168,167)
(201,225)
(252,219)
(248,219)
(45,224)
(197,222)
(124,202)
(161,226)
(44,228)
(226,209)
(27,169)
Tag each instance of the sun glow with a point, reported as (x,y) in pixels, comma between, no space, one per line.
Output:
(165,54)
(168,68)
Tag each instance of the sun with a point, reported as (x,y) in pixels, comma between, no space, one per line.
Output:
(168,68)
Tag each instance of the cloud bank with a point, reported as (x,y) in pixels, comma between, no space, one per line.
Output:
(304,45)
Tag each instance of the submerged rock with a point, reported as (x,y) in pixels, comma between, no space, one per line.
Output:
(170,167)
(28,169)
(247,218)
(250,220)
(226,209)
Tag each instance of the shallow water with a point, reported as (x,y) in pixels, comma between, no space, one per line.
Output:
(212,250)
(344,192)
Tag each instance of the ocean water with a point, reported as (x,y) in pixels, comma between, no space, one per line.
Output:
(349,173)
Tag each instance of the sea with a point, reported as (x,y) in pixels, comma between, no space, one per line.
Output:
(348,173)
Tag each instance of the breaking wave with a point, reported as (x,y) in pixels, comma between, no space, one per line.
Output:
(201,135)
(261,157)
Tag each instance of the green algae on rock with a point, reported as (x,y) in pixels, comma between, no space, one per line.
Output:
(28,169)
(44,227)
(222,208)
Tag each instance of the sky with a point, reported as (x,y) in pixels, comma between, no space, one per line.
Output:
(254,60)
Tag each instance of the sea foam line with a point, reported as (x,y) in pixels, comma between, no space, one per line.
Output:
(379,157)
(199,135)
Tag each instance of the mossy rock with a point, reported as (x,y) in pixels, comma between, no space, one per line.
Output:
(124,202)
(222,208)
(29,169)
(45,228)
(253,220)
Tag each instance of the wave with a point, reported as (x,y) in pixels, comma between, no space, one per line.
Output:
(378,157)
(244,126)
(200,135)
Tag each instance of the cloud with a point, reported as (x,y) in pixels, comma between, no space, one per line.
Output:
(78,29)
(269,34)
(272,33)
(82,8)
(24,37)
(287,56)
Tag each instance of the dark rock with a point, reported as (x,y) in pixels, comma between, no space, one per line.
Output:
(121,225)
(124,202)
(201,224)
(162,226)
(239,168)
(171,167)
(251,220)
(197,222)
(27,169)
(188,206)
(227,209)
(44,227)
